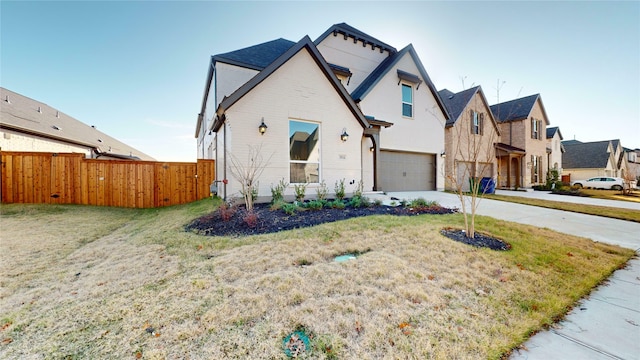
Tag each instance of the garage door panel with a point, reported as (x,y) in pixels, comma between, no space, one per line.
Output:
(402,171)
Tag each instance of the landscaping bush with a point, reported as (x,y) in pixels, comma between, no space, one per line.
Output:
(277,192)
(339,189)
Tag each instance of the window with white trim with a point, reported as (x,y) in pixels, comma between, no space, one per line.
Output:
(304,152)
(407,100)
(536,126)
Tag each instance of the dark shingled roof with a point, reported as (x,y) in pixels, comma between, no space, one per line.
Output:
(571,142)
(256,57)
(513,110)
(304,43)
(551,131)
(456,103)
(585,155)
(349,31)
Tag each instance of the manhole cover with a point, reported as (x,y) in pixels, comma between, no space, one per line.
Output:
(295,344)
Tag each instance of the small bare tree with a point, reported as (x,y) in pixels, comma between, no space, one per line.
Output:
(472,156)
(629,182)
(247,173)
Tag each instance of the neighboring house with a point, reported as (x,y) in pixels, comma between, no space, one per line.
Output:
(633,162)
(522,151)
(471,135)
(554,149)
(581,161)
(31,126)
(346,106)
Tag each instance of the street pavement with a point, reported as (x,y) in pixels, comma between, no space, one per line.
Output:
(606,324)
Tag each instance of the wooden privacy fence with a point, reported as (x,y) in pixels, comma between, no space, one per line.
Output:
(56,178)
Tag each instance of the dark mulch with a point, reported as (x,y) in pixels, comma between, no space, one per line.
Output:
(270,221)
(479,240)
(570,193)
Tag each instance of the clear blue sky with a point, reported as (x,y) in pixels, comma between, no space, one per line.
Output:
(137,70)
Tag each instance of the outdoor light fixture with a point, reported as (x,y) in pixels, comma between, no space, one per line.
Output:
(443,154)
(262,128)
(344,136)
(371,149)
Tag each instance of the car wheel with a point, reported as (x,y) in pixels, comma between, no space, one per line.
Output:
(616,187)
(578,185)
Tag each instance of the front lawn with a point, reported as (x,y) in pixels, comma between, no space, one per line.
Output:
(88,282)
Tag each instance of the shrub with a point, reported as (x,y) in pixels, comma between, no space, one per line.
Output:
(377,202)
(251,219)
(359,201)
(339,189)
(277,205)
(321,191)
(300,191)
(338,204)
(277,192)
(359,189)
(226,211)
(290,209)
(314,205)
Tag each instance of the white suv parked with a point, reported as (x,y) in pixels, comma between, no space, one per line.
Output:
(600,182)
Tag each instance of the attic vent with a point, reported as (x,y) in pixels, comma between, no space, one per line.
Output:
(93,126)
(7,99)
(58,114)
(39,109)
(450,97)
(99,140)
(55,127)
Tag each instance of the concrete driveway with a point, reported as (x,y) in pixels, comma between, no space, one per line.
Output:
(606,325)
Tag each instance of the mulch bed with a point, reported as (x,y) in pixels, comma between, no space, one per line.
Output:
(479,239)
(270,221)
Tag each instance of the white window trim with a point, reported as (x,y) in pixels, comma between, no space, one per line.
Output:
(306,161)
(412,103)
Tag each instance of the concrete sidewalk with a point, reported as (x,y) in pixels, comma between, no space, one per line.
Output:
(606,324)
(547,195)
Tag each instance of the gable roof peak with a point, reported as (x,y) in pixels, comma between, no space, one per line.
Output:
(349,31)
(304,43)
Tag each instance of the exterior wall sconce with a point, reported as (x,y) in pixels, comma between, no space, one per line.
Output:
(371,149)
(262,128)
(344,136)
(443,154)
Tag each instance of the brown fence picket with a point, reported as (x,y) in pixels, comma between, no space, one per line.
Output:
(65,178)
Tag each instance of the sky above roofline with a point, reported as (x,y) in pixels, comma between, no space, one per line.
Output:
(137,70)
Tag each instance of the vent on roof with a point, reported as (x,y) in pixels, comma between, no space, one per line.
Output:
(56,127)
(7,99)
(93,126)
(58,114)
(39,109)
(99,140)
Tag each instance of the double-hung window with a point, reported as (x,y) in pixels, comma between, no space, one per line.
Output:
(477,120)
(304,152)
(407,100)
(535,129)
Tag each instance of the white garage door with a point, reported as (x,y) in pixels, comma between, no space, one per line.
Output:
(402,171)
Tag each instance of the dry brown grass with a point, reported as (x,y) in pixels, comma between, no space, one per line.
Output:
(129,282)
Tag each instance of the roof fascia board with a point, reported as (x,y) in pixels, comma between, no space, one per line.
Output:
(205,96)
(221,59)
(365,38)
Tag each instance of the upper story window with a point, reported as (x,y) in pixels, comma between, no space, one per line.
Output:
(536,126)
(407,100)
(304,152)
(477,122)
